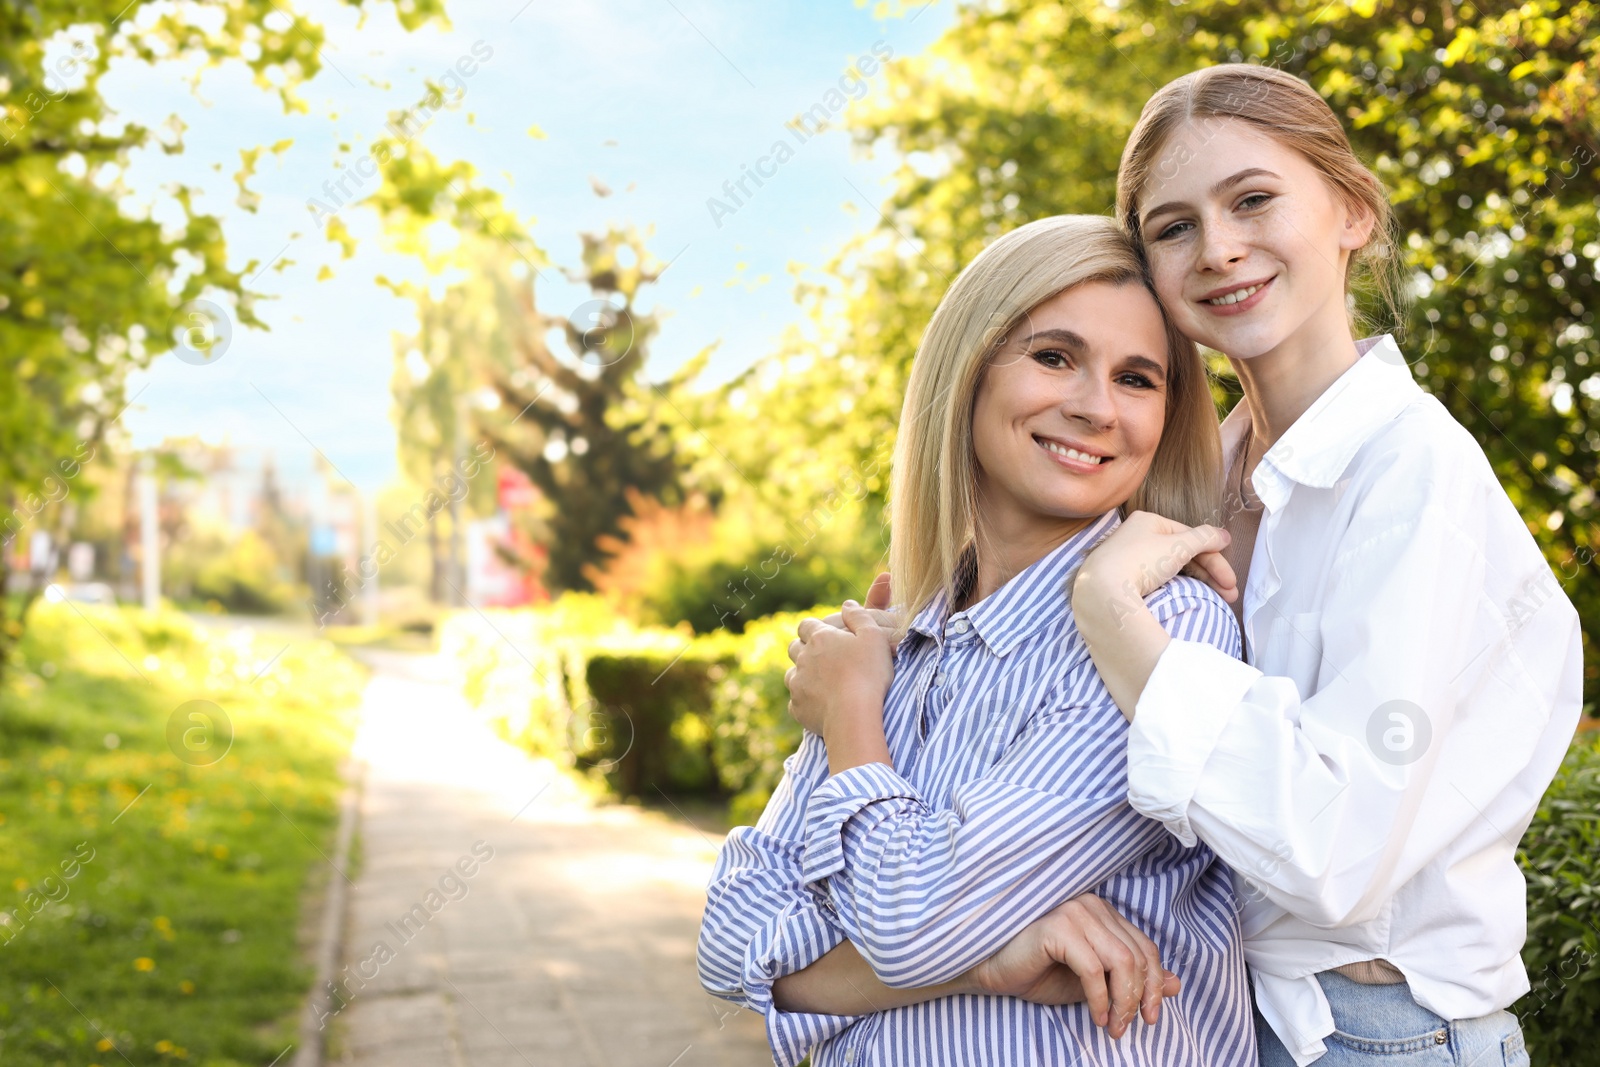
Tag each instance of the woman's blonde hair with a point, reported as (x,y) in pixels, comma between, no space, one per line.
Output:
(1291,112)
(933,501)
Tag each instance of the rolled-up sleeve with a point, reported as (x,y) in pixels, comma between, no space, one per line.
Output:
(762,922)
(1296,787)
(1181,714)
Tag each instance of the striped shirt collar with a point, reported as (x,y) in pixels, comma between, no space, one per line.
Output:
(1035,596)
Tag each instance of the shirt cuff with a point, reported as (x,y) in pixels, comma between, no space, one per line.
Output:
(792,942)
(1177,722)
(834,803)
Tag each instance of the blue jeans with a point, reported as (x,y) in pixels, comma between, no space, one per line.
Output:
(1381,1024)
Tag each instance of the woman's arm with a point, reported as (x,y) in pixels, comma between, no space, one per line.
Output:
(1298,791)
(1077,952)
(926,894)
(1042,964)
(1144,553)
(843,983)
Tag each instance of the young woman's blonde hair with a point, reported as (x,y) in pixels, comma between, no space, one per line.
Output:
(933,503)
(1288,110)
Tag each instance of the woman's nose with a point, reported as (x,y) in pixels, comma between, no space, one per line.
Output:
(1221,245)
(1090,401)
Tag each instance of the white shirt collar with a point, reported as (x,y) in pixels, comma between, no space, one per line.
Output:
(1316,450)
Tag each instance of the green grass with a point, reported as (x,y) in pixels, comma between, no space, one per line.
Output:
(173,935)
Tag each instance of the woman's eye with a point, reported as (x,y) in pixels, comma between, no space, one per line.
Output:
(1051,358)
(1172,231)
(1138,381)
(1254,200)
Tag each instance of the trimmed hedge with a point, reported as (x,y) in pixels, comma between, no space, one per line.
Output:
(752,732)
(641,708)
(647,718)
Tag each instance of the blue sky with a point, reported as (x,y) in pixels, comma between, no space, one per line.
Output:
(663,101)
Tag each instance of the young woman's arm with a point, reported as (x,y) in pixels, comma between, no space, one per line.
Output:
(1310,796)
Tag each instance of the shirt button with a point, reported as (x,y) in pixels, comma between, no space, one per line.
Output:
(1442,1037)
(961,626)
(938,678)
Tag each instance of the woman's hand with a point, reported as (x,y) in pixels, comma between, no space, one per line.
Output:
(1147,550)
(878,601)
(1082,950)
(840,677)
(1139,557)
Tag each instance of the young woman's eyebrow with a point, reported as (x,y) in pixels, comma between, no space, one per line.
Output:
(1216,190)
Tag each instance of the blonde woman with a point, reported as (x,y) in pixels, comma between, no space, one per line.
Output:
(897,902)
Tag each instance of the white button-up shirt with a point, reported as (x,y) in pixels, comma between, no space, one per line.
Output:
(1413,679)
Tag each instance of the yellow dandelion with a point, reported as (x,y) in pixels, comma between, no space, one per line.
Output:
(104,1045)
(186,987)
(144,963)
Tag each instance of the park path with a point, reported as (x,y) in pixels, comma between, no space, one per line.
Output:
(572,945)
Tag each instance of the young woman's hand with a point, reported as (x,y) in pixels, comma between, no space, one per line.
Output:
(1082,950)
(1147,550)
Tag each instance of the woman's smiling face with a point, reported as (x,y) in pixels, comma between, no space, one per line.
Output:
(1246,241)
(1070,409)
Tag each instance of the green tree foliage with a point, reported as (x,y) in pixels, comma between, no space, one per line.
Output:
(1481,118)
(572,421)
(563,417)
(87,291)
(440,371)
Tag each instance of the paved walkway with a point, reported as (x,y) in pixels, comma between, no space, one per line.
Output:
(571,944)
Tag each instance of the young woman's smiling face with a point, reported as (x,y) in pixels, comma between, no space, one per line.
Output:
(1070,409)
(1246,241)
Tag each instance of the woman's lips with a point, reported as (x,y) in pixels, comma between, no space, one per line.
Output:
(1242,306)
(1079,466)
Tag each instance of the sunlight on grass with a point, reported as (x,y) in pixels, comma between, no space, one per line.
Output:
(165,790)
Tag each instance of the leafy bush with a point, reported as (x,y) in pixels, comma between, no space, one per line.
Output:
(641,708)
(242,574)
(1560,855)
(720,593)
(751,730)
(647,719)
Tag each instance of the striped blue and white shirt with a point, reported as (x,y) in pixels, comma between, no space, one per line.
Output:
(1007,797)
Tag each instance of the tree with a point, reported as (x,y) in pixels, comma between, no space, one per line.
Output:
(88,292)
(433,379)
(567,421)
(564,417)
